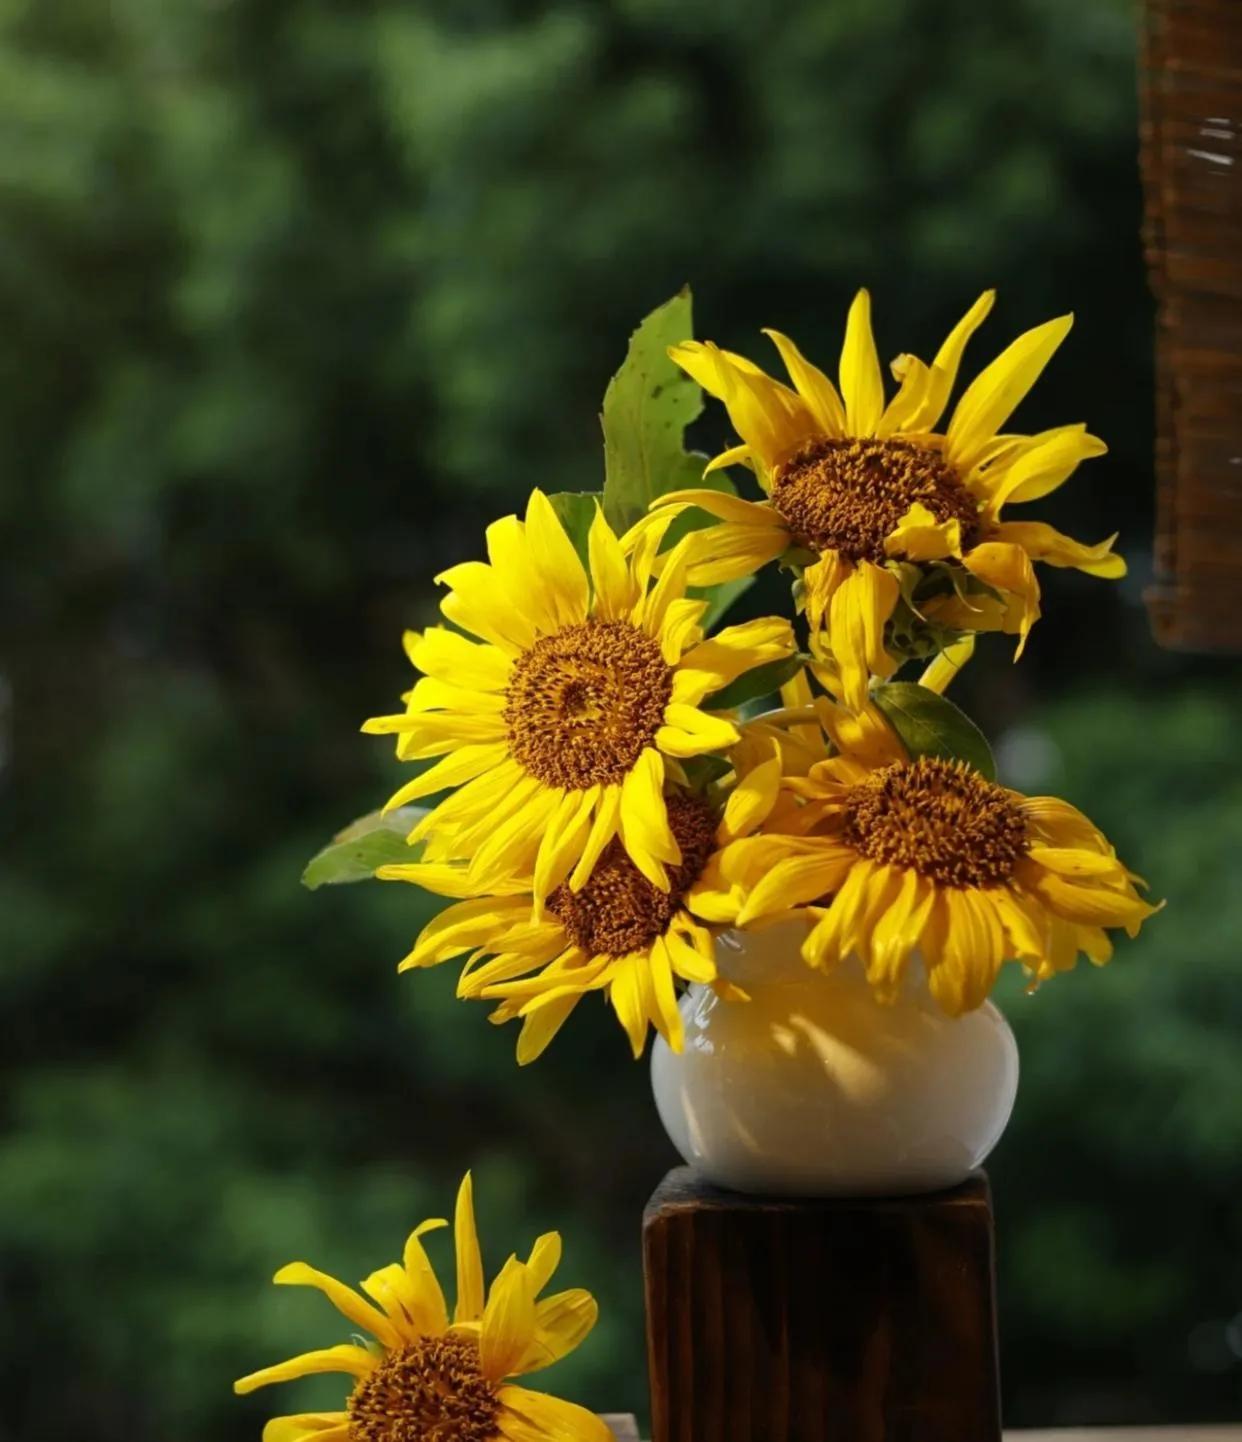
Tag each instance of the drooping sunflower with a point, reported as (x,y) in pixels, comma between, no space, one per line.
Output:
(424,1376)
(618,934)
(886,853)
(560,724)
(876,507)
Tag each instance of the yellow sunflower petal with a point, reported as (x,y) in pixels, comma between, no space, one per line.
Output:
(447,654)
(459,766)
(681,629)
(1007,567)
(860,608)
(729,551)
(355,1361)
(734,456)
(693,963)
(897,933)
(769,417)
(432,1315)
(833,935)
(1087,905)
(535,1417)
(862,384)
(751,800)
(514,843)
(567,831)
(665,1013)
(1023,921)
(941,672)
(721,504)
(519,576)
(1042,543)
(948,360)
(974,946)
(916,380)
(480,603)
(645,830)
(346,1301)
(630,994)
(919,536)
(477,921)
(1041,468)
(562,1324)
(545,1257)
(687,731)
(798,880)
(812,385)
(508,1322)
(321,1426)
(820,582)
(1076,864)
(539,1028)
(996,391)
(556,561)
(615,590)
(603,828)
(469,1306)
(720,660)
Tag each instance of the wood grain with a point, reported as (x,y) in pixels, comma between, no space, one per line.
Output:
(1191,137)
(851,1320)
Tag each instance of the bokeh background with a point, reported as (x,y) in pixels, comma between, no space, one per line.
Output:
(297,295)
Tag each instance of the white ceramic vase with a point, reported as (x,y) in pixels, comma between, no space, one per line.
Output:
(815,1089)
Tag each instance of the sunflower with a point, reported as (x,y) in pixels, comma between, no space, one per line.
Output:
(885,853)
(618,934)
(425,1377)
(878,509)
(559,725)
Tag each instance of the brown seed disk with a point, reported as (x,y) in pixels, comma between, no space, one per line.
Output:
(849,495)
(431,1391)
(941,819)
(584,703)
(619,911)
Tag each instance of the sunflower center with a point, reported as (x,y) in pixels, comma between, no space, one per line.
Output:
(849,496)
(433,1390)
(584,703)
(619,911)
(941,819)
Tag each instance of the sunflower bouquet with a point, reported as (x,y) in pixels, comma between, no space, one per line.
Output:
(606,776)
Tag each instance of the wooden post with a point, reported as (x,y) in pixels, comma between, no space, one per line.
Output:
(1192,171)
(851,1320)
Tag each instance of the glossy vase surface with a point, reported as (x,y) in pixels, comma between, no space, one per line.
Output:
(813,1088)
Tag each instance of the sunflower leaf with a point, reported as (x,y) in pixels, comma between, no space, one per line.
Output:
(752,685)
(356,853)
(720,598)
(647,407)
(931,725)
(576,510)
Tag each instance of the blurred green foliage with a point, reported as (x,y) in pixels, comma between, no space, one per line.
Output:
(297,296)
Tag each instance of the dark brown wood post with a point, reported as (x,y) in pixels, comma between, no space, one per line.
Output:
(851,1320)
(1192,172)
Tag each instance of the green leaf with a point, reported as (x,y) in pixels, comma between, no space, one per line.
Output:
(647,407)
(931,725)
(576,511)
(721,597)
(752,685)
(369,843)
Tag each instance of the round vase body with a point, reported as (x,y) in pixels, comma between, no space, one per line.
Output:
(813,1088)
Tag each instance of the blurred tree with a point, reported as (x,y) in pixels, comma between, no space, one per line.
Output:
(298,295)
